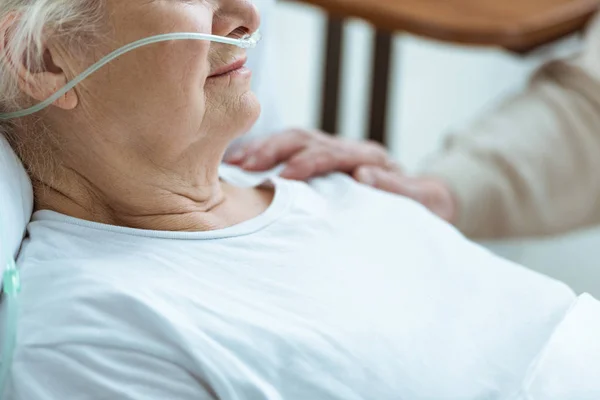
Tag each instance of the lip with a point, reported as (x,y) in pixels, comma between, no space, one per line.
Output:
(226,69)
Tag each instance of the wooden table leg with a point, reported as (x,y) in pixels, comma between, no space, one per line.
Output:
(381,83)
(332,76)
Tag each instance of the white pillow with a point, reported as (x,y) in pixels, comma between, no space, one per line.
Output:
(16,202)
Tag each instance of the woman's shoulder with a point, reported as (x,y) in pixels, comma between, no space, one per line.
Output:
(91,333)
(84,301)
(343,191)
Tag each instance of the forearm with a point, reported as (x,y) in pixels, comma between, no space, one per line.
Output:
(531,167)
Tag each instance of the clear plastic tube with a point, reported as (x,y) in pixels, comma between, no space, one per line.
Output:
(248,41)
(11,287)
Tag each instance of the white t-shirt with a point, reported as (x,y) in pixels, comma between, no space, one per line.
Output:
(336,291)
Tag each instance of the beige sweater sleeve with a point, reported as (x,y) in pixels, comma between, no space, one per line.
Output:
(532,167)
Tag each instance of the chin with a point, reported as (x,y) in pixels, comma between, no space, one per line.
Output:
(248,112)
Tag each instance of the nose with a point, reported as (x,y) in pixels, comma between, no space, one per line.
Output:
(236,18)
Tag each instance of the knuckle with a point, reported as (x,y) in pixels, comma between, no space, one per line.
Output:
(303,134)
(265,152)
(376,145)
(323,137)
(299,163)
(254,146)
(323,145)
(378,154)
(324,160)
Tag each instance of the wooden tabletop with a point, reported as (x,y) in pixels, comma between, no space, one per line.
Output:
(517,25)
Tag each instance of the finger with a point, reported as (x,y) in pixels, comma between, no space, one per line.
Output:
(388,181)
(393,166)
(304,165)
(268,153)
(313,162)
(335,156)
(351,155)
(237,156)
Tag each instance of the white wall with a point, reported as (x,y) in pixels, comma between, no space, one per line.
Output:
(437,87)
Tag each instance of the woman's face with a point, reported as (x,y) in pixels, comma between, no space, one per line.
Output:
(172,98)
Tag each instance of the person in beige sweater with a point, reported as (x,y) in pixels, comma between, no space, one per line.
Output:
(531,167)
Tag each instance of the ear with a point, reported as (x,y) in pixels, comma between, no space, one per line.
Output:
(43,81)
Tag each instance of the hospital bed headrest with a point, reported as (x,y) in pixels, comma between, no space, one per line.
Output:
(16,202)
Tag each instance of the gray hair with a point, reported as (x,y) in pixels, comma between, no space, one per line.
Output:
(75,22)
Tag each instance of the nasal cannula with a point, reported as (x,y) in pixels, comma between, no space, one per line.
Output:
(246,42)
(11,285)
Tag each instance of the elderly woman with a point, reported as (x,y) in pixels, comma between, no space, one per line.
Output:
(148,273)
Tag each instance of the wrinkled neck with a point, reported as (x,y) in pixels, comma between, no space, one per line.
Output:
(135,202)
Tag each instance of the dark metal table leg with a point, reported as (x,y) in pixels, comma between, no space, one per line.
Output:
(332,76)
(381,83)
